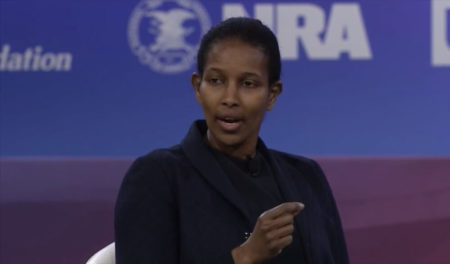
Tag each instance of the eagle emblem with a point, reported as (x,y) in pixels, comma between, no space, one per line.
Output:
(170,31)
(165,34)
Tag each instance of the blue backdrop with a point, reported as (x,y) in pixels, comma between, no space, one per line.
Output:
(87,78)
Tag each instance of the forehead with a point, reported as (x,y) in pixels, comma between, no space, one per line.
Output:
(236,55)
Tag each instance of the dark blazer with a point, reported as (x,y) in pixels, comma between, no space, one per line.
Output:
(177,206)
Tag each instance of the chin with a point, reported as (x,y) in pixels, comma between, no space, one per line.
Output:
(228,140)
(232,141)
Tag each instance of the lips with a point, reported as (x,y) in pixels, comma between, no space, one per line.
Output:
(229,123)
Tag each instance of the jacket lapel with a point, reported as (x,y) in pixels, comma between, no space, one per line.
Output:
(200,156)
(292,191)
(203,160)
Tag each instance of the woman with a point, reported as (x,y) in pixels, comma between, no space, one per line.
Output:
(221,196)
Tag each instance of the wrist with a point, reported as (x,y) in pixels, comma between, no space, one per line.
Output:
(241,256)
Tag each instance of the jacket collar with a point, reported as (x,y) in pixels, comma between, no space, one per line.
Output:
(201,157)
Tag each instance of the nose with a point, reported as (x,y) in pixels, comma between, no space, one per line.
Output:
(230,95)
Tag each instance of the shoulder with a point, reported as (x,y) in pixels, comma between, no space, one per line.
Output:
(156,164)
(161,158)
(297,161)
(304,168)
(151,175)
(307,172)
(162,155)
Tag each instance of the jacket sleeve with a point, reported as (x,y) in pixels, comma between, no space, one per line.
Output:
(145,216)
(339,247)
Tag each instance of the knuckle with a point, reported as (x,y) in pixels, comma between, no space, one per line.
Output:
(262,219)
(261,216)
(265,227)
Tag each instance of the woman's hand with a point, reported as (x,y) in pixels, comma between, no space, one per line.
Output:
(272,232)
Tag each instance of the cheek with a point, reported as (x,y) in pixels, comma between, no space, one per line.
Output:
(258,106)
(256,116)
(207,102)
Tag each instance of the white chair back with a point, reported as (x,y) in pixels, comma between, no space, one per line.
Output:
(106,255)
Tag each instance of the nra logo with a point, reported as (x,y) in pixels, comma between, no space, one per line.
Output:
(322,38)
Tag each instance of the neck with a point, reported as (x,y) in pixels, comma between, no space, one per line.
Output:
(241,151)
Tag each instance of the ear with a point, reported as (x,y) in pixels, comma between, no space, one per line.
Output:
(275,90)
(196,79)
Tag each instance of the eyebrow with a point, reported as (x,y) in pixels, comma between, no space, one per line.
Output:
(244,73)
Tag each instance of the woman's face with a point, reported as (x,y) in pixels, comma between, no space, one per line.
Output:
(234,93)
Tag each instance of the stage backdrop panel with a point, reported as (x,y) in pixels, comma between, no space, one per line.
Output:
(111,78)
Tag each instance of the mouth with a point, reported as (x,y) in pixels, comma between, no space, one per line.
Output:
(229,123)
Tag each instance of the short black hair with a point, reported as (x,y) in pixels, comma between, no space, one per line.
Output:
(248,30)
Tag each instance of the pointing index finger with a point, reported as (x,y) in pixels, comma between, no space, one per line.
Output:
(284,208)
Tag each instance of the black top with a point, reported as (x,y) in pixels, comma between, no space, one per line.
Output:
(254,180)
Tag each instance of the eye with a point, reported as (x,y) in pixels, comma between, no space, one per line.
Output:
(249,83)
(215,81)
